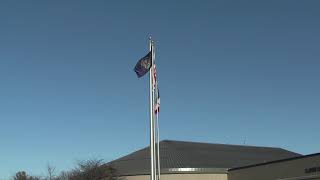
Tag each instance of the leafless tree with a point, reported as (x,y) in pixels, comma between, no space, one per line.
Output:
(84,170)
(92,170)
(51,172)
(63,176)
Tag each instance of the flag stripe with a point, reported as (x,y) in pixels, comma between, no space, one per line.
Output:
(156,90)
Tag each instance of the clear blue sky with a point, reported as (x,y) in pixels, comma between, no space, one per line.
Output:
(229,72)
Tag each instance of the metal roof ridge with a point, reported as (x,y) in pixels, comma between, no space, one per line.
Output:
(245,145)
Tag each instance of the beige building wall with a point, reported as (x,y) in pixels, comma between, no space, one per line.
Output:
(285,170)
(181,177)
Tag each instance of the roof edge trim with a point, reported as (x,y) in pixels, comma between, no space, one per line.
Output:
(185,171)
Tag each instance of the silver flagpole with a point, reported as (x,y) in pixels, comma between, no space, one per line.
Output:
(154,120)
(154,124)
(151,114)
(156,135)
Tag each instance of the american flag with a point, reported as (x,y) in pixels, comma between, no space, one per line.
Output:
(156,91)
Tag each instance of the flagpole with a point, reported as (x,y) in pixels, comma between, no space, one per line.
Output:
(154,118)
(152,175)
(156,126)
(156,144)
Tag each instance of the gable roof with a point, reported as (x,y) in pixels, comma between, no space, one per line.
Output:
(194,157)
(277,161)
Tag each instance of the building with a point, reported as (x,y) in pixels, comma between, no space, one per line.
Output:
(204,161)
(296,168)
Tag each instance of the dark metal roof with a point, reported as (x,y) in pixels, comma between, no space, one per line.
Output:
(276,161)
(193,157)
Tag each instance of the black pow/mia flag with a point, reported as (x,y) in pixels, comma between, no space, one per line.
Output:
(143,65)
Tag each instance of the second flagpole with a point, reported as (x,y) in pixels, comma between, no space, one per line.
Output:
(152,173)
(155,136)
